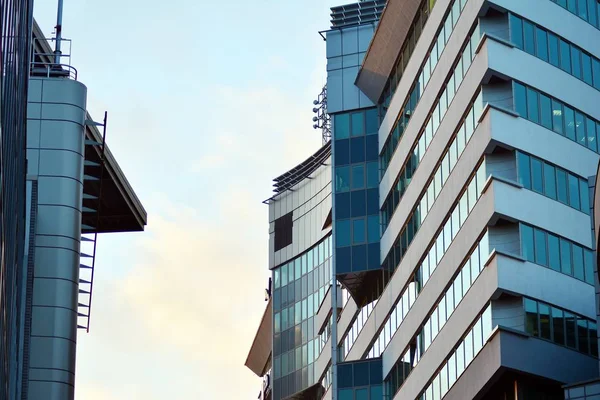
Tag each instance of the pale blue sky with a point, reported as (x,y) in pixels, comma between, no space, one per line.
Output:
(207,102)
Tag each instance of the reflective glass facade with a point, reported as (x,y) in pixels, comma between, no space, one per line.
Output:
(16,24)
(299,287)
(356,195)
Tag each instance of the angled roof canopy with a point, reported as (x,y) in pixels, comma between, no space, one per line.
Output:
(385,46)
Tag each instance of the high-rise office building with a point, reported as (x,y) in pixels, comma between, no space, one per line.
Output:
(15,47)
(463,137)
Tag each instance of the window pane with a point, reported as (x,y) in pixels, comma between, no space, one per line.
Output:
(582,9)
(576,62)
(590,129)
(570,329)
(549,181)
(565,56)
(523,169)
(541,43)
(558,326)
(565,257)
(358,231)
(596,73)
(582,333)
(516,31)
(527,245)
(342,179)
(528,34)
(561,185)
(544,310)
(553,49)
(578,262)
(588,259)
(358,176)
(531,317)
(520,95)
(574,191)
(584,196)
(553,252)
(569,122)
(592,9)
(533,112)
(580,128)
(541,256)
(586,66)
(546,111)
(557,117)
(537,181)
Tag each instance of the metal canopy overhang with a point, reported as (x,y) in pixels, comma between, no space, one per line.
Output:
(119,208)
(259,357)
(385,46)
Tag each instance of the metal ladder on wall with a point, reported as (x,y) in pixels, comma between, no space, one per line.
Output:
(93,171)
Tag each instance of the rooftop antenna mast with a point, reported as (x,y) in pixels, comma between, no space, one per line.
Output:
(58,27)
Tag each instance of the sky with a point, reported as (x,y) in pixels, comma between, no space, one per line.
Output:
(207,102)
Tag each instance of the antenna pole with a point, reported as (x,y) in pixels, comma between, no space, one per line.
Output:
(58,27)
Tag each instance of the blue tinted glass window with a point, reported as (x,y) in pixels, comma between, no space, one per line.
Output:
(527,243)
(346,394)
(343,260)
(372,121)
(546,111)
(582,9)
(528,34)
(574,191)
(358,176)
(561,185)
(342,152)
(569,117)
(342,179)
(342,233)
(541,39)
(344,373)
(592,11)
(537,182)
(588,259)
(553,52)
(578,266)
(361,374)
(372,174)
(576,62)
(572,6)
(358,203)
(524,170)
(520,98)
(580,128)
(557,117)
(361,394)
(533,112)
(553,252)
(590,127)
(357,150)
(565,257)
(584,197)
(376,392)
(358,123)
(341,126)
(358,231)
(372,201)
(372,147)
(541,255)
(373,256)
(373,228)
(565,56)
(586,67)
(596,73)
(550,181)
(516,31)
(342,207)
(359,257)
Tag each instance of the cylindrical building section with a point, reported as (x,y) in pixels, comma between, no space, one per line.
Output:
(55,153)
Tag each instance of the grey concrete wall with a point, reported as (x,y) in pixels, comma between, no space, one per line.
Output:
(505,238)
(502,164)
(55,153)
